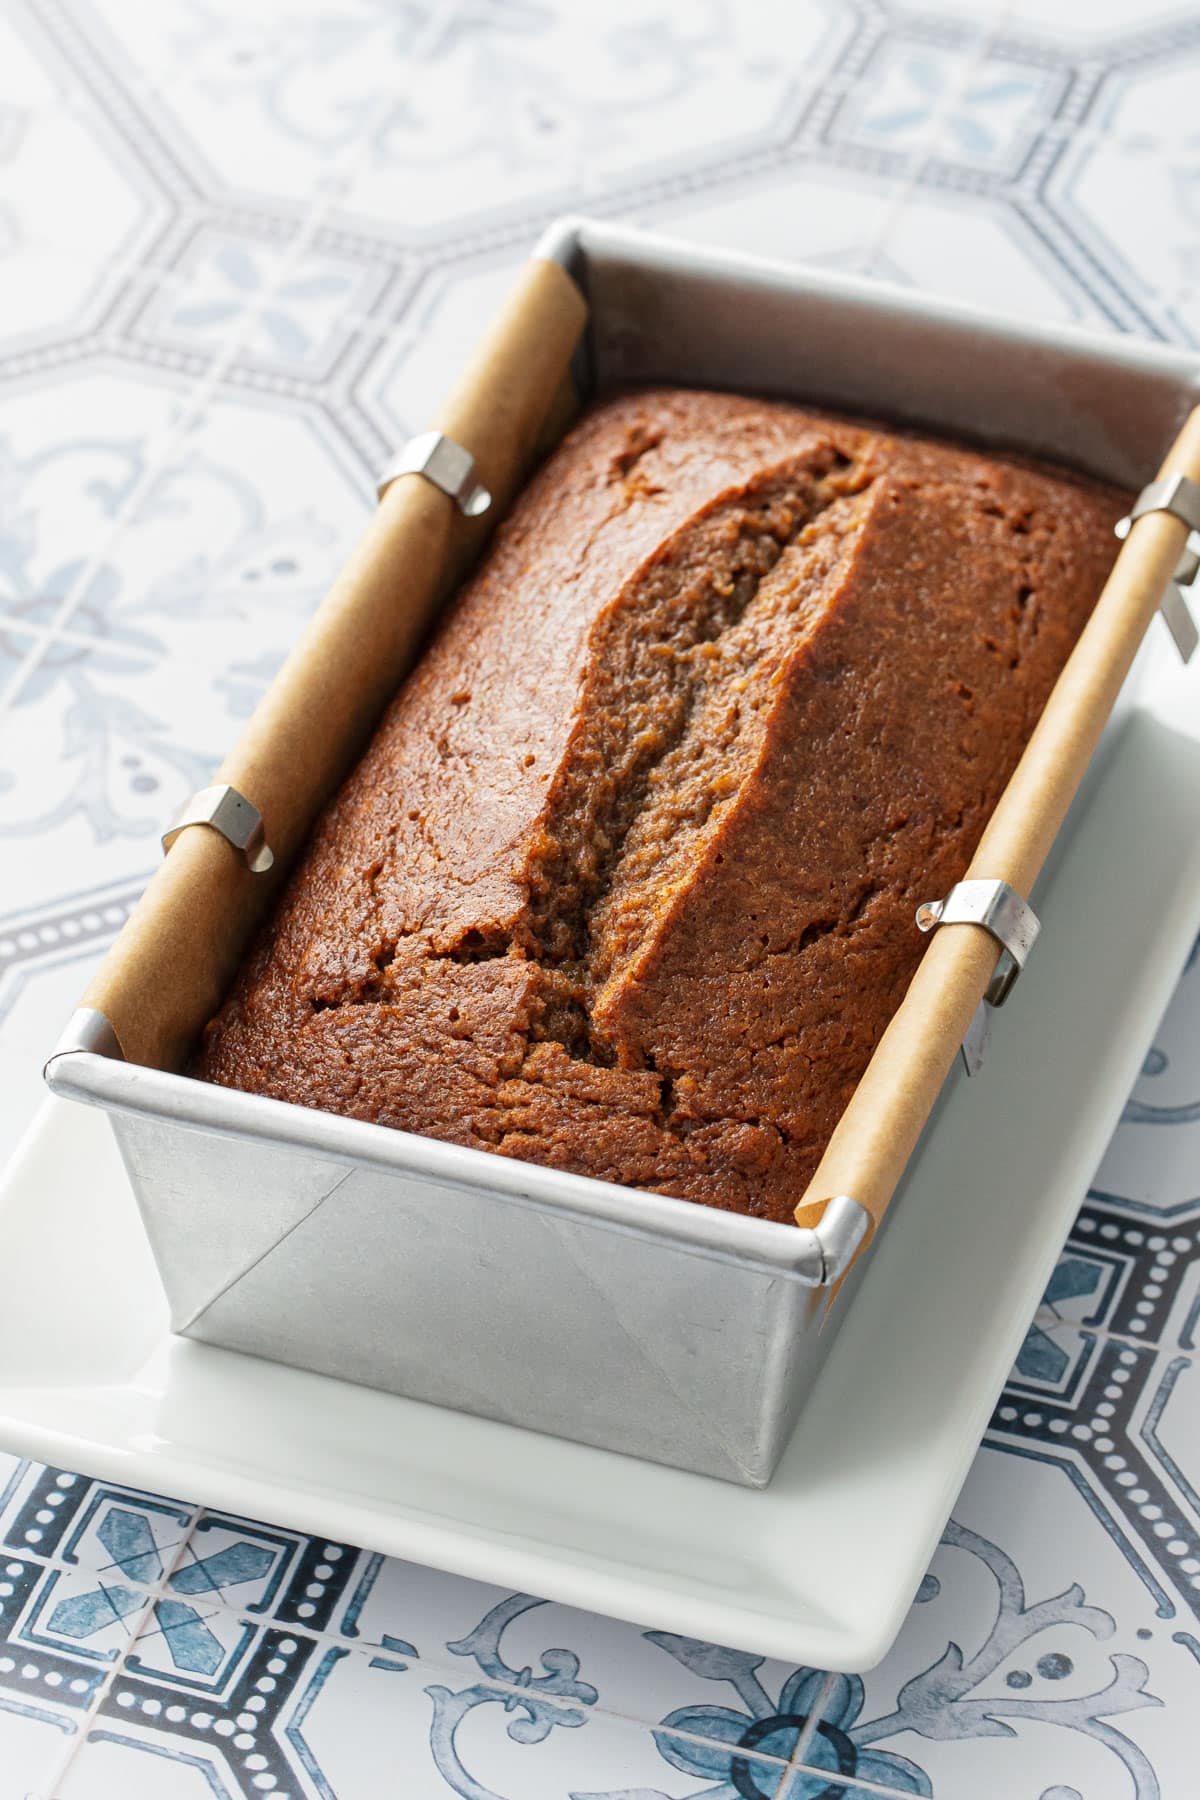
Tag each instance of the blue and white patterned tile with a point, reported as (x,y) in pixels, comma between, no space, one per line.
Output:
(479,1632)
(975,108)
(1093,1272)
(1099,1428)
(469,115)
(76,1616)
(1054,1361)
(270,101)
(163,651)
(240,533)
(386,1599)
(467,1632)
(491,1634)
(166,1728)
(266,1572)
(1152,1165)
(131,739)
(189,1647)
(73,476)
(77,453)
(536,109)
(273,303)
(1167,1424)
(992,119)
(1132,1262)
(303,1717)
(1129,188)
(115,1532)
(814,1784)
(82,804)
(62,1634)
(1144,96)
(52,943)
(1125,1273)
(13,1469)
(1182,1328)
(1038,1659)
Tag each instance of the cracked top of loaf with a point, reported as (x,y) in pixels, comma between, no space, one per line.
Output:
(625,882)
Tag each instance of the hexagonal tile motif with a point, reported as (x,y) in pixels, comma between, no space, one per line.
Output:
(980,111)
(278,304)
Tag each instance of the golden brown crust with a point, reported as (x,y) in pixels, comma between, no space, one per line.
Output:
(625,883)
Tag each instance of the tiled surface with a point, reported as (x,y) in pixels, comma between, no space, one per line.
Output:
(241,252)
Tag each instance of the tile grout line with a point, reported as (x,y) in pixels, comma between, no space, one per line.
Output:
(368,325)
(812,1724)
(323,1640)
(203,390)
(156,275)
(1045,1316)
(58,1563)
(324,1637)
(75,1744)
(864,259)
(111,646)
(859,1784)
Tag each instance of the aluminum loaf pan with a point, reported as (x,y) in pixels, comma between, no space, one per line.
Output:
(626,1320)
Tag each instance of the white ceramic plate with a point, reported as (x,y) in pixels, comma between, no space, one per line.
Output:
(820,1567)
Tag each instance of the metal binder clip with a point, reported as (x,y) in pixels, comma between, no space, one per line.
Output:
(1180,496)
(440,460)
(1015,926)
(233,816)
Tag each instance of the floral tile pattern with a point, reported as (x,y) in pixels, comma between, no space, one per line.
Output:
(291,304)
(242,252)
(110,1531)
(975,107)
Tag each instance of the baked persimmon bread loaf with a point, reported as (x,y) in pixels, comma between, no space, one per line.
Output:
(625,882)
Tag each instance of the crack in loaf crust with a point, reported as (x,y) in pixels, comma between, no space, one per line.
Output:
(625,883)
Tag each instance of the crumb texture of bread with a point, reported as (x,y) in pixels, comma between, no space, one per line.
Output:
(625,882)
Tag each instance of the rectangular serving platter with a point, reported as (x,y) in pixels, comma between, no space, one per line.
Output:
(532,1296)
(821,1565)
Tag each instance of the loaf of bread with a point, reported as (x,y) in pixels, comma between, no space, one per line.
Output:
(625,882)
